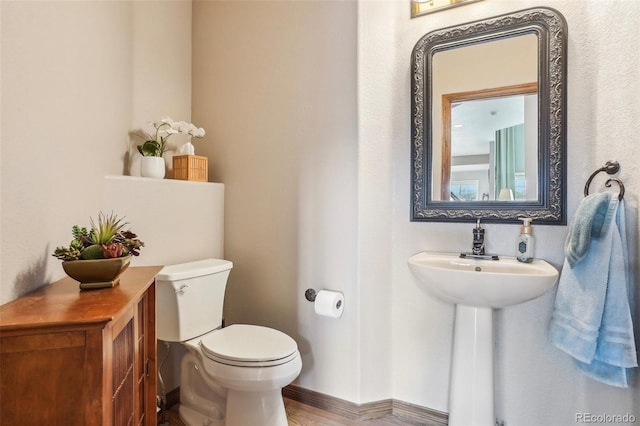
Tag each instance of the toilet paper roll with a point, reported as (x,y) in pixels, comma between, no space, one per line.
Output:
(329,303)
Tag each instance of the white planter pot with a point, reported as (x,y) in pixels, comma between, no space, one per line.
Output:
(152,167)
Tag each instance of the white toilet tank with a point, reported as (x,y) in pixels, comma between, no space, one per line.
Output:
(190,297)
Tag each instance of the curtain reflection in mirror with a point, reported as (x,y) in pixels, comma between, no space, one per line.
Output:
(509,162)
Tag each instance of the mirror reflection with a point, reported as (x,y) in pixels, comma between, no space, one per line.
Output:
(484,127)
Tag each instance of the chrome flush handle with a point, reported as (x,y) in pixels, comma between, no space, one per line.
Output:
(181,289)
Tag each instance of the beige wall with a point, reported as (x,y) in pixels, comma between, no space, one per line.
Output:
(275,87)
(76,78)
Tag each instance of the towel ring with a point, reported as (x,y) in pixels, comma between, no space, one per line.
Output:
(610,167)
(619,182)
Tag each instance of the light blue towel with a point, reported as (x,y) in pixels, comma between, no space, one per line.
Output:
(588,223)
(592,316)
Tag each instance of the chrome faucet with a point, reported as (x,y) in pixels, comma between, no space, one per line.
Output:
(477,249)
(478,239)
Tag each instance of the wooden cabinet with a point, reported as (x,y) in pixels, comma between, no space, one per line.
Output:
(72,357)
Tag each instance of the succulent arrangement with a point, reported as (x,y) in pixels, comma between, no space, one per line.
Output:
(106,239)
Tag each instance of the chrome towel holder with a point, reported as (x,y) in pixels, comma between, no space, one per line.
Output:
(611,168)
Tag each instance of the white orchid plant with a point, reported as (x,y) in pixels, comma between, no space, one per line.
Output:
(156,145)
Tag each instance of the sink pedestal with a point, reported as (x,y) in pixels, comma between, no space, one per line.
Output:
(471,393)
(476,287)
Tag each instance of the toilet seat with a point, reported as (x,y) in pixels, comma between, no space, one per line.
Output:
(245,345)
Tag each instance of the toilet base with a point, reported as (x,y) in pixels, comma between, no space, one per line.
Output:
(269,412)
(214,394)
(192,417)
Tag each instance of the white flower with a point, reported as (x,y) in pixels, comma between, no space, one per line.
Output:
(195,131)
(182,126)
(155,145)
(165,120)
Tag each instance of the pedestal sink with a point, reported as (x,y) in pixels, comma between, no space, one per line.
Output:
(476,287)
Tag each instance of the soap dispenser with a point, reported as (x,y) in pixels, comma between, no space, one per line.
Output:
(525,243)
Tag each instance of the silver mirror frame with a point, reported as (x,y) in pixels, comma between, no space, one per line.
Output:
(551,29)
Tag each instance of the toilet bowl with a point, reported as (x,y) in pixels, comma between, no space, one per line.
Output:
(231,376)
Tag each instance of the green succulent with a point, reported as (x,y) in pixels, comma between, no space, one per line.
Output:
(79,233)
(106,239)
(66,253)
(94,251)
(107,228)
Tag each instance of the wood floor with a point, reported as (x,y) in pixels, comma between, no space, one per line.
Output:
(300,414)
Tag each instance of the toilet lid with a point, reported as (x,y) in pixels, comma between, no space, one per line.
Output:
(249,346)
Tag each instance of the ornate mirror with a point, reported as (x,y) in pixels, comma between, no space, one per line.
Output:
(489,120)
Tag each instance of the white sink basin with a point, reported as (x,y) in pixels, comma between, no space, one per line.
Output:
(476,287)
(482,283)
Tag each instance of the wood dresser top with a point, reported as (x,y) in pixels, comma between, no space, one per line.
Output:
(64,302)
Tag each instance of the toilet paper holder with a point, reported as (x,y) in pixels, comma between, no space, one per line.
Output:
(310,295)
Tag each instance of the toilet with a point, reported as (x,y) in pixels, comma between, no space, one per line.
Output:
(231,376)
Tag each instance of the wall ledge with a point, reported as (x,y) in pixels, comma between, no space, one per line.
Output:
(165,181)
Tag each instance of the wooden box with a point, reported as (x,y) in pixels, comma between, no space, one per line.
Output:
(191,167)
